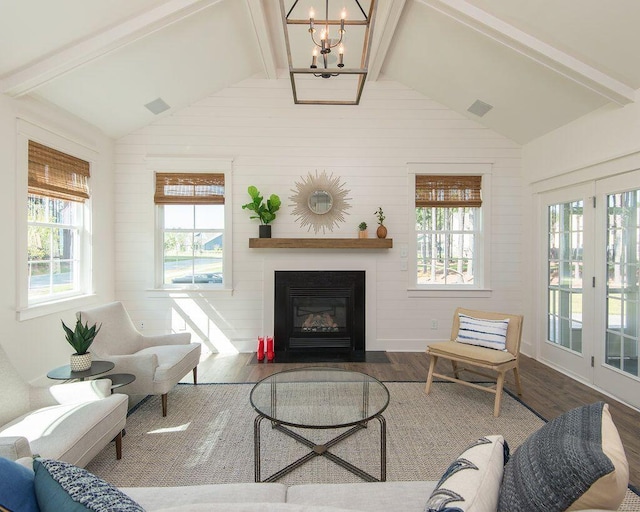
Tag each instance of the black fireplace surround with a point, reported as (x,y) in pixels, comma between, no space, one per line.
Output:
(319,315)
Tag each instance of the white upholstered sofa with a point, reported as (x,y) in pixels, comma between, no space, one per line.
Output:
(575,462)
(70,422)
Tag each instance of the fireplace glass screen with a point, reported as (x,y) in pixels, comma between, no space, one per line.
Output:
(319,314)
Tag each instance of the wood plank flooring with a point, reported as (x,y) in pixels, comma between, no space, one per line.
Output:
(546,391)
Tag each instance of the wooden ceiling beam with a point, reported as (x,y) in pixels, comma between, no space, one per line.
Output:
(388,26)
(535,49)
(263,38)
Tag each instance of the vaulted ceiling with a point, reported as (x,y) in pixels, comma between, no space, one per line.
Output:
(539,63)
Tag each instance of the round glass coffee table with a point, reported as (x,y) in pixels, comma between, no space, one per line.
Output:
(320,398)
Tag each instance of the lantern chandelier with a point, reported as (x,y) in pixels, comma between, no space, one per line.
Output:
(325,44)
(360,20)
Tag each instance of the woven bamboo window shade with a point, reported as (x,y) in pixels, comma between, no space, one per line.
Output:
(448,191)
(56,174)
(189,188)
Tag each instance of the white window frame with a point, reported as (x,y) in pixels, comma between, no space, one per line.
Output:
(26,310)
(481,286)
(185,164)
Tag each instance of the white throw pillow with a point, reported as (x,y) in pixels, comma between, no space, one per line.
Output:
(483,332)
(472,481)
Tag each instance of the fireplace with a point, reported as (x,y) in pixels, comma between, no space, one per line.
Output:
(319,315)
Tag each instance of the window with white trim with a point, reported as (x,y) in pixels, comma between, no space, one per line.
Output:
(191,214)
(448,226)
(57,191)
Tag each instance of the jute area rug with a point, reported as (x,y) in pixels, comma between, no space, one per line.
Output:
(207,437)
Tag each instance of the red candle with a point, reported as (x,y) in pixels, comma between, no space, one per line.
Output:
(260,348)
(270,353)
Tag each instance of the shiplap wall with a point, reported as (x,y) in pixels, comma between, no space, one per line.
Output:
(273,143)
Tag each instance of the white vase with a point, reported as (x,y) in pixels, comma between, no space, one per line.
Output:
(80,362)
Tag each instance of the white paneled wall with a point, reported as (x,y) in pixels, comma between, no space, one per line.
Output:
(273,143)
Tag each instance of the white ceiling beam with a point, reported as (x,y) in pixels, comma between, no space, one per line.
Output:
(263,38)
(62,61)
(388,30)
(535,49)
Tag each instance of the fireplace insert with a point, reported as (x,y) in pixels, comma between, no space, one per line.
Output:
(319,313)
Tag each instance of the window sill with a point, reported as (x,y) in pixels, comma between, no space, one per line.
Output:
(48,308)
(156,293)
(428,293)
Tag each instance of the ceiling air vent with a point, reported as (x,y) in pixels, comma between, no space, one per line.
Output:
(479,108)
(157,106)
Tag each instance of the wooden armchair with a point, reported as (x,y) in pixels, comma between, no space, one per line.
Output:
(499,361)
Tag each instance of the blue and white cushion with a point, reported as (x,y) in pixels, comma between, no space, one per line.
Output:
(483,332)
(472,482)
(60,486)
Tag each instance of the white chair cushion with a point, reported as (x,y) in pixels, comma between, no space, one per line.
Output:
(483,332)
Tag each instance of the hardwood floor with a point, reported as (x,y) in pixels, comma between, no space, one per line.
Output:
(546,391)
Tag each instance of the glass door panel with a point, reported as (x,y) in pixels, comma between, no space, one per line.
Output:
(564,269)
(622,290)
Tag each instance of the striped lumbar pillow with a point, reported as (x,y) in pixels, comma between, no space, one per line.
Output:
(483,332)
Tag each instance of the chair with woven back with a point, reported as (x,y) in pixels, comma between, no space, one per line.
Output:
(481,339)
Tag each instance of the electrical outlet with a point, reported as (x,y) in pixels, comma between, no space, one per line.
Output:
(403,264)
(141,325)
(434,324)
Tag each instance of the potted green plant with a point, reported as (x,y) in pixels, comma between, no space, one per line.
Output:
(362,230)
(81,339)
(381,232)
(265,212)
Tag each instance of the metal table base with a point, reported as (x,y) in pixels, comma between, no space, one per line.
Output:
(318,450)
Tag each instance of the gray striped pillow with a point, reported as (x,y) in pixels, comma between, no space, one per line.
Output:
(483,332)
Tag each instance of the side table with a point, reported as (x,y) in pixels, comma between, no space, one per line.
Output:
(65,373)
(119,379)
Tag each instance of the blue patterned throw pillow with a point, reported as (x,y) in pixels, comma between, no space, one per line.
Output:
(482,332)
(63,486)
(574,462)
(472,482)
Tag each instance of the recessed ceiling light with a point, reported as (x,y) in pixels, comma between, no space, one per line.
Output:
(479,108)
(157,106)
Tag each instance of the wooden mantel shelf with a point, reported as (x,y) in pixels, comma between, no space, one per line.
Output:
(320,243)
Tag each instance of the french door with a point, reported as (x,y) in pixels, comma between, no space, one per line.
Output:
(568,298)
(618,291)
(592,279)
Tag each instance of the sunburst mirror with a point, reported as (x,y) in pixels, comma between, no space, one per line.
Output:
(320,201)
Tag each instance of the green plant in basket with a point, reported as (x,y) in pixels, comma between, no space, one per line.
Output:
(82,336)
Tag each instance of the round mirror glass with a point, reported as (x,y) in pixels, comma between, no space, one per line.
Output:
(320,202)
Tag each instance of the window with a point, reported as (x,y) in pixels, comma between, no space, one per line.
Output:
(57,189)
(448,230)
(192,228)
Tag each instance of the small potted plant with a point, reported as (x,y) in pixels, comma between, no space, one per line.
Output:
(362,230)
(381,232)
(265,212)
(81,339)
